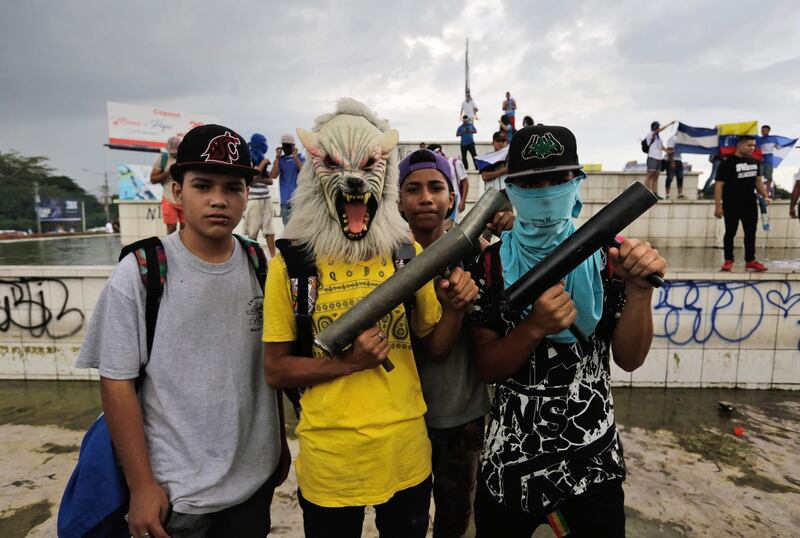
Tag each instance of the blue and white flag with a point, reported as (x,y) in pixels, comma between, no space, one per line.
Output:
(775,148)
(702,140)
(488,159)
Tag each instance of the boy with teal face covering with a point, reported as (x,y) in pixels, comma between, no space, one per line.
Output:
(552,453)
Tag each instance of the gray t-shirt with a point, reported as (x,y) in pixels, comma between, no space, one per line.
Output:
(211,421)
(452,389)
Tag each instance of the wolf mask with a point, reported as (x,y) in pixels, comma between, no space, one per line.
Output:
(345,205)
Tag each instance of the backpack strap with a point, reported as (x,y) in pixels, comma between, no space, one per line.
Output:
(302,270)
(256,256)
(152,262)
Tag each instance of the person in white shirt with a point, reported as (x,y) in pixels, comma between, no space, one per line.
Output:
(655,156)
(469,109)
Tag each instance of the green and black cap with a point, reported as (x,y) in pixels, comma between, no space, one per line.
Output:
(540,149)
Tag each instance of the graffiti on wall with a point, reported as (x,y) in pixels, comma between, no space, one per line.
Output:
(693,309)
(23,305)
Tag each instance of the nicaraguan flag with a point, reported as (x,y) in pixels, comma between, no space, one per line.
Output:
(690,139)
(488,159)
(775,148)
(729,134)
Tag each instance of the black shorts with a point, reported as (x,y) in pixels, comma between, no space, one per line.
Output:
(599,513)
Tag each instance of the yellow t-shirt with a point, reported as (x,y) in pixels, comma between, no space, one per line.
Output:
(362,436)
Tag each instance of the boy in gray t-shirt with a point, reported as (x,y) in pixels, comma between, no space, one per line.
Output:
(200,441)
(456,397)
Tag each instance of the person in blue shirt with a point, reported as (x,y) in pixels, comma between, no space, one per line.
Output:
(289,161)
(465,132)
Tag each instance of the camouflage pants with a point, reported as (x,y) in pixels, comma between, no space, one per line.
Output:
(456,452)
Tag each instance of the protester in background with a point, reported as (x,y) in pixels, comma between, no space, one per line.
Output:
(288,164)
(458,178)
(674,166)
(527,121)
(552,452)
(466,131)
(655,156)
(199,440)
(469,109)
(509,108)
(171,212)
(738,179)
(258,216)
(494,175)
(507,126)
(766,165)
(457,399)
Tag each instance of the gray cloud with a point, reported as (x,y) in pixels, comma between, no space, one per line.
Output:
(606,70)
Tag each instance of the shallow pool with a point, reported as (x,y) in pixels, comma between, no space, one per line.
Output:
(85,250)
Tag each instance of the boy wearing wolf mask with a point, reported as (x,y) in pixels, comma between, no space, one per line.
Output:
(362,433)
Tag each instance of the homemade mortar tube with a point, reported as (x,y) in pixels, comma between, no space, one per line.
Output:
(599,231)
(456,245)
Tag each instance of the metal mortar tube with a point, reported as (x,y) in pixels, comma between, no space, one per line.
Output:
(457,244)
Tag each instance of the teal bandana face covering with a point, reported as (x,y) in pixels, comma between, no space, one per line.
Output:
(544,220)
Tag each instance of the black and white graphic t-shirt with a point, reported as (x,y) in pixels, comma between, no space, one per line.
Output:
(551,433)
(738,175)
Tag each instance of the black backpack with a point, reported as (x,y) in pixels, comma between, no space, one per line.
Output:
(302,271)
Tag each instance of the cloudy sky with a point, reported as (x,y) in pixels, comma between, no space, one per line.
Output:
(606,70)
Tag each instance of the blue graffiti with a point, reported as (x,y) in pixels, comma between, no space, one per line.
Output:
(700,303)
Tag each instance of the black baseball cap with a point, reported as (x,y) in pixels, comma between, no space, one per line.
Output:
(540,149)
(216,148)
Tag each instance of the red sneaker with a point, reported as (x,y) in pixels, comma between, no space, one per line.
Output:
(727,266)
(755,266)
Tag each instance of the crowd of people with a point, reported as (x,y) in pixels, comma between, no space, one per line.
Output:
(194,409)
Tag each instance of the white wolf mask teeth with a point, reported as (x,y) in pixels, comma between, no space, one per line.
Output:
(349,157)
(345,205)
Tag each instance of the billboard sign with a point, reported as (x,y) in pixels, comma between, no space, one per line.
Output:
(57,209)
(148,127)
(134,183)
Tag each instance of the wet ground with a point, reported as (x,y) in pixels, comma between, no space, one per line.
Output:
(689,473)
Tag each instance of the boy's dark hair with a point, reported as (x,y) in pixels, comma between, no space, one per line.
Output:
(745,138)
(527,120)
(766,127)
(499,135)
(464,117)
(434,147)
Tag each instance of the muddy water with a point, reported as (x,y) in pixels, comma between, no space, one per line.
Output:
(688,474)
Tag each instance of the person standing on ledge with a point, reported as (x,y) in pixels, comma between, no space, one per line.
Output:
(655,156)
(738,179)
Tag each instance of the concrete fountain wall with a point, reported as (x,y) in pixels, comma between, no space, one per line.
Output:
(712,329)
